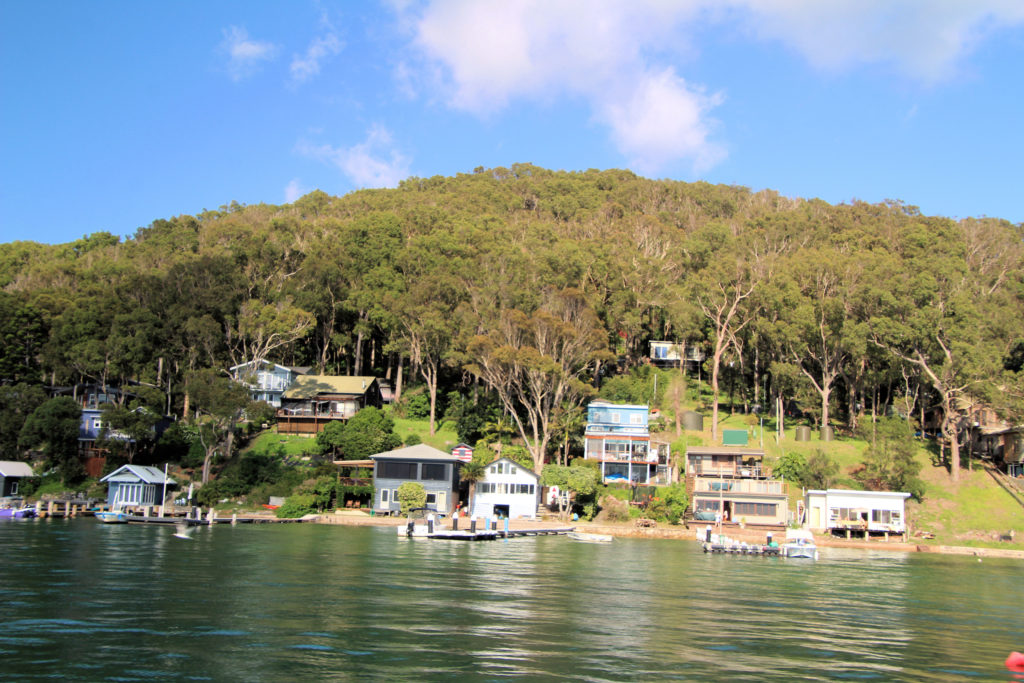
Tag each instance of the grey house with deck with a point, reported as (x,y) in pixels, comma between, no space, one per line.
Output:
(436,471)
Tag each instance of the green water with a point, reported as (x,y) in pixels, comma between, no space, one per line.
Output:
(91,602)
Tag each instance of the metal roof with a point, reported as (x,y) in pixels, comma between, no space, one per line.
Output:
(137,473)
(12,468)
(420,451)
(308,386)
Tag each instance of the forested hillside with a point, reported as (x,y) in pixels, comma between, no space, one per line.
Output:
(533,286)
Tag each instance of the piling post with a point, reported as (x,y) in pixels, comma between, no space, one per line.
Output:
(234,518)
(50,508)
(472,524)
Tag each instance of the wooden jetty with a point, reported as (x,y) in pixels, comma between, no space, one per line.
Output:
(742,549)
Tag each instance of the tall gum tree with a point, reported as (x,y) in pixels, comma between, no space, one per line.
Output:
(535,362)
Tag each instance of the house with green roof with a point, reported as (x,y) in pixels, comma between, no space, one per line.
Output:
(314,401)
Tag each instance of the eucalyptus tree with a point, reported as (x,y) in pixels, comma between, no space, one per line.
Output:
(536,361)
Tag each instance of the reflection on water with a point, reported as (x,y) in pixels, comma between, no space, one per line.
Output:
(85,601)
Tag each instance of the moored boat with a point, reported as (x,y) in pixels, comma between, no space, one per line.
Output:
(800,544)
(18,512)
(112,516)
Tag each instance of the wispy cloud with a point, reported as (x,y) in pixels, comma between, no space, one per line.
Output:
(374,162)
(629,61)
(293,190)
(244,55)
(304,67)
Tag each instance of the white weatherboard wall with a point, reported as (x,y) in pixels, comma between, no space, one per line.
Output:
(885,510)
(507,483)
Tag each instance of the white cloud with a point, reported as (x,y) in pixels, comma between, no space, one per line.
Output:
(308,65)
(627,59)
(374,162)
(924,40)
(244,54)
(661,120)
(293,191)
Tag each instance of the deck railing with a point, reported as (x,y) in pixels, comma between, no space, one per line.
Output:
(761,486)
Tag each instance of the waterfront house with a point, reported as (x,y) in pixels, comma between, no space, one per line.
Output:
(266,381)
(92,399)
(732,483)
(674,354)
(860,512)
(435,470)
(618,437)
(507,490)
(314,401)
(136,486)
(11,474)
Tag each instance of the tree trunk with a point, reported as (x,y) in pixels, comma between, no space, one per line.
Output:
(398,379)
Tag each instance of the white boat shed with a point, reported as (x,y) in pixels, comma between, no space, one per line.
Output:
(507,490)
(860,512)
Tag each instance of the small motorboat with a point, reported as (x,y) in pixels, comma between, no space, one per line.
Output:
(112,516)
(799,544)
(18,512)
(184,530)
(590,538)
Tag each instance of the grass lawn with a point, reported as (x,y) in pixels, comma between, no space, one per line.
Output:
(445,438)
(269,441)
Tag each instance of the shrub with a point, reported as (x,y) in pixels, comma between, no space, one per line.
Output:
(411,494)
(297,505)
(615,509)
(413,439)
(791,466)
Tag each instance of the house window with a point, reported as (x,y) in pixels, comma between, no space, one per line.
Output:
(636,419)
(383,495)
(707,505)
(434,472)
(511,469)
(884,516)
(615,418)
(431,498)
(755,509)
(14,487)
(397,470)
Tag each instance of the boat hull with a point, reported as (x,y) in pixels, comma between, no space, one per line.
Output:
(18,513)
(110,517)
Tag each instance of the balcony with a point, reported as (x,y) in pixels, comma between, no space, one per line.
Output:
(734,486)
(731,471)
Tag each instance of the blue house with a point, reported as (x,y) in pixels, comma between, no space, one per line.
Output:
(266,381)
(618,437)
(136,485)
(436,471)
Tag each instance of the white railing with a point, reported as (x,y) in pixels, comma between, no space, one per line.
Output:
(762,486)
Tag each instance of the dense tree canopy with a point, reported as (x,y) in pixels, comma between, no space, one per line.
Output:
(534,286)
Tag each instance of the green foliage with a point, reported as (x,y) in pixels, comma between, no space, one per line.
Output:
(889,461)
(17,402)
(669,503)
(53,426)
(820,471)
(321,490)
(260,412)
(329,439)
(411,494)
(370,431)
(791,467)
(519,455)
(297,505)
(412,439)
(415,406)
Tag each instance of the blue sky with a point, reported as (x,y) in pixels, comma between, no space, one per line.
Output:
(117,113)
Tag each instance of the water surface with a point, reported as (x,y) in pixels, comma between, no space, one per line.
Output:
(85,601)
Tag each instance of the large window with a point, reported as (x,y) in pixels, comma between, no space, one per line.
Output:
(434,472)
(707,505)
(755,509)
(396,470)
